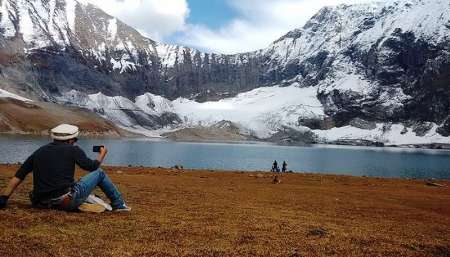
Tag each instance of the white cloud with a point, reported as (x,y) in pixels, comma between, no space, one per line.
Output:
(259,23)
(154,18)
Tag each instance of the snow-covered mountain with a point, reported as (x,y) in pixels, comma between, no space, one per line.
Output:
(378,72)
(380,61)
(67,44)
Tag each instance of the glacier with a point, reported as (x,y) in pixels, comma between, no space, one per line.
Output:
(261,112)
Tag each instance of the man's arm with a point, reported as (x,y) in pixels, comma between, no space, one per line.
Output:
(102,154)
(87,164)
(23,171)
(12,185)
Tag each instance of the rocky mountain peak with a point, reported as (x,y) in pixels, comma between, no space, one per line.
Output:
(381,62)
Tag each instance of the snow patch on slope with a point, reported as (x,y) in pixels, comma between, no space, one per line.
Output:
(263,110)
(345,77)
(27,28)
(6,20)
(123,65)
(6,94)
(71,14)
(112,29)
(423,17)
(118,109)
(389,134)
(154,104)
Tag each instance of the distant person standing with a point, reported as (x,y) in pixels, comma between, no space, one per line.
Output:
(284,168)
(275,167)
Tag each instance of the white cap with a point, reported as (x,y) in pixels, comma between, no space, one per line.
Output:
(64,132)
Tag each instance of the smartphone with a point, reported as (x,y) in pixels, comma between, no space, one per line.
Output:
(96,148)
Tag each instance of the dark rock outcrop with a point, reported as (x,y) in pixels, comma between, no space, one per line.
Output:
(322,124)
(445,128)
(362,124)
(288,135)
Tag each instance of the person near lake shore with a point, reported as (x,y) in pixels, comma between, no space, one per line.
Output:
(275,167)
(284,168)
(53,167)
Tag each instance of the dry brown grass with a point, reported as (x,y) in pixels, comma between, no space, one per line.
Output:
(201,213)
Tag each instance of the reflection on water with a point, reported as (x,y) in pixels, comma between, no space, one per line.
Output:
(359,161)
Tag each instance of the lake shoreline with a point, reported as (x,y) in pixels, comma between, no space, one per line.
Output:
(203,213)
(130,135)
(252,173)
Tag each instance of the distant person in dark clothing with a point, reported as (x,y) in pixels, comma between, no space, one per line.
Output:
(284,168)
(275,167)
(53,168)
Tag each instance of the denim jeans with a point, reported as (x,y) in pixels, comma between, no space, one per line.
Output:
(84,187)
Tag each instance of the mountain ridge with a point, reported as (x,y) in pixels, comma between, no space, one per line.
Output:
(382,63)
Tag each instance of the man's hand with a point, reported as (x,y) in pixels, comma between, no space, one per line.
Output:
(103,150)
(102,154)
(8,191)
(3,201)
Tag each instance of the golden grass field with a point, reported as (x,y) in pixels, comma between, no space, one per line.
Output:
(203,213)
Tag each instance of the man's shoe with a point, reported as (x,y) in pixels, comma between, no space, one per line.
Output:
(123,208)
(93,199)
(89,207)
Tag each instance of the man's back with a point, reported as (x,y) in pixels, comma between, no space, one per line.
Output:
(53,167)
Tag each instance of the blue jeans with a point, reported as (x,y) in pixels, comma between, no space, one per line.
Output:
(84,187)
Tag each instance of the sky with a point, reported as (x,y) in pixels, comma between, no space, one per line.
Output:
(221,26)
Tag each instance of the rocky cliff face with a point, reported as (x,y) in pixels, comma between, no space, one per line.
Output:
(60,45)
(379,63)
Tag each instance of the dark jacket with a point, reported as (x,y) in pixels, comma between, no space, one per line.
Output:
(53,168)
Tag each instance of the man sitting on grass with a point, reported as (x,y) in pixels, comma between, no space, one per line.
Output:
(53,167)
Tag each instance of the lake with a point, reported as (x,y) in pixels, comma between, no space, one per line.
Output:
(358,161)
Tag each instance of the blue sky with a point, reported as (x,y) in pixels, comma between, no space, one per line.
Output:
(213,13)
(221,26)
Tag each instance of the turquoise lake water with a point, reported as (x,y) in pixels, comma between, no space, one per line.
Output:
(358,161)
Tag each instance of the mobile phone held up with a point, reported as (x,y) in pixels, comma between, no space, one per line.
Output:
(96,148)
